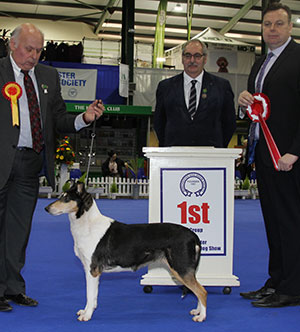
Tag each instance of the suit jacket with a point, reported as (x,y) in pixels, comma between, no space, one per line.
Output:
(214,122)
(54,118)
(282,86)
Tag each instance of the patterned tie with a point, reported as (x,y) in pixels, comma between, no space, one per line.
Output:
(192,101)
(262,71)
(252,140)
(34,110)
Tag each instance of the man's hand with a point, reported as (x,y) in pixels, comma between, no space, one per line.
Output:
(286,162)
(95,110)
(245,99)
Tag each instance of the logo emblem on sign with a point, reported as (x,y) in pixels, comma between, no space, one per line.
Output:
(193,183)
(72,92)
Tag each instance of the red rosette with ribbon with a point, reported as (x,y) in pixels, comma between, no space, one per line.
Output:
(259,111)
(12,91)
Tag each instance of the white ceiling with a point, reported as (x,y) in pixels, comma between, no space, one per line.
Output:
(207,13)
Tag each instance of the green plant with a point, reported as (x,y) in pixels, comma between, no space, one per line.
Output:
(113,187)
(135,164)
(246,183)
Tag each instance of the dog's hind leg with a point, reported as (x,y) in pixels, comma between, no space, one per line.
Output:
(92,285)
(189,280)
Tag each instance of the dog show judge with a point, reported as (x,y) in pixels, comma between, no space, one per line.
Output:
(194,108)
(32,112)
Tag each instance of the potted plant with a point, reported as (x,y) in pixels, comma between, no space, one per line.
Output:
(64,157)
(113,189)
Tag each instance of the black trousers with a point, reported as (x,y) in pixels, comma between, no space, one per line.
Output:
(17,203)
(279,194)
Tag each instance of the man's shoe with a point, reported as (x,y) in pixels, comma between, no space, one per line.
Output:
(22,299)
(259,294)
(277,300)
(4,305)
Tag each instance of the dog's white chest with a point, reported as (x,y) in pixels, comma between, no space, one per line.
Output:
(88,230)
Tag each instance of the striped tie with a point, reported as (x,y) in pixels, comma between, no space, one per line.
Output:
(192,101)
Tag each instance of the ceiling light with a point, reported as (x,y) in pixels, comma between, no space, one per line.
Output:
(298,20)
(178,8)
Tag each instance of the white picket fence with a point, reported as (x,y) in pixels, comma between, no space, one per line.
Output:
(124,186)
(239,192)
(100,187)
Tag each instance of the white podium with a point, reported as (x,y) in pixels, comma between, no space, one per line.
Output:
(194,187)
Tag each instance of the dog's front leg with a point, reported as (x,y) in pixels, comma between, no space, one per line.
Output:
(92,284)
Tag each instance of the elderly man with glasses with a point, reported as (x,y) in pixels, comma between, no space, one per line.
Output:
(194,108)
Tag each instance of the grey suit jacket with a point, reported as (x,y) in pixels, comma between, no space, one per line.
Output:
(55,119)
(214,122)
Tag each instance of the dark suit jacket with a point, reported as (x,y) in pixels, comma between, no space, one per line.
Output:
(54,118)
(282,86)
(214,122)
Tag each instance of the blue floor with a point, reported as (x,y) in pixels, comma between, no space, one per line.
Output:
(55,278)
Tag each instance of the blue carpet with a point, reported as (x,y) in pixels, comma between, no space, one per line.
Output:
(55,278)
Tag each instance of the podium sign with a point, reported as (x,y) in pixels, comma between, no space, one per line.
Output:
(196,198)
(194,187)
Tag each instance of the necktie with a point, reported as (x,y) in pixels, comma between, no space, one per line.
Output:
(192,100)
(258,87)
(34,111)
(252,140)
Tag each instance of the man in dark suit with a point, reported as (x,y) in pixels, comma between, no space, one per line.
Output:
(279,191)
(22,162)
(212,122)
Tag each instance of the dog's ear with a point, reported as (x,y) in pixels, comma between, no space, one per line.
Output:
(86,199)
(80,187)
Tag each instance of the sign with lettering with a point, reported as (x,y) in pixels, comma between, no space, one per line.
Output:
(196,198)
(78,84)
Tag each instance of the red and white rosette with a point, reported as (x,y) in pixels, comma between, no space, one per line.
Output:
(259,111)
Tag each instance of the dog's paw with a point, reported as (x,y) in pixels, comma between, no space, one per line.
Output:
(195,312)
(83,316)
(199,318)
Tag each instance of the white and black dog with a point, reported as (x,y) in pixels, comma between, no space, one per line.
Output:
(103,244)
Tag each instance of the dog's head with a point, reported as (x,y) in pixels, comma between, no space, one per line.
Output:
(75,200)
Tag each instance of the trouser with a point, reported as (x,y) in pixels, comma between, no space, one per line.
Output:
(279,194)
(17,203)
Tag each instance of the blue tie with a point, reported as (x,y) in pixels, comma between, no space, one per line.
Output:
(252,141)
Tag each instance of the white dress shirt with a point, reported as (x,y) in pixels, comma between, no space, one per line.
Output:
(187,87)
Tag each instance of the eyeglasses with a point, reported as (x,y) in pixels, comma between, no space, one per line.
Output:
(197,56)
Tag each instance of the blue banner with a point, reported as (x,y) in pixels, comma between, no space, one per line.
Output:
(107,86)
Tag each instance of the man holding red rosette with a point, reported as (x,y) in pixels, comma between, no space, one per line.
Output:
(279,186)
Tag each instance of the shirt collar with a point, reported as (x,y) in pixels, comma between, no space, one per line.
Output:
(17,69)
(188,79)
(277,51)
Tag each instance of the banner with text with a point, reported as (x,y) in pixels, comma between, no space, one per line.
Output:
(196,198)
(78,84)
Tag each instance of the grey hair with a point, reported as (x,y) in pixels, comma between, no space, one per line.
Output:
(17,31)
(204,48)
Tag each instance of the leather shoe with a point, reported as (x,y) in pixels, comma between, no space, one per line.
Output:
(4,305)
(22,299)
(277,300)
(259,294)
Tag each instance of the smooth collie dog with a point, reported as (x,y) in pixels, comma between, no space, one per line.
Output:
(104,245)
